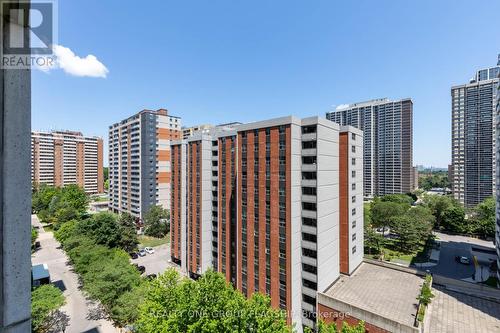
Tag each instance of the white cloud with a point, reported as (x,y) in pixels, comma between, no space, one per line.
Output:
(72,64)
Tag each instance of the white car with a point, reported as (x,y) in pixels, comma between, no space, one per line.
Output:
(149,250)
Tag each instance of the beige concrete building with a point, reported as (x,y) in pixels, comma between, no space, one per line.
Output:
(60,158)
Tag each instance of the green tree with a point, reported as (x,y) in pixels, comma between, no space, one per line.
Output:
(103,228)
(398,198)
(438,204)
(128,233)
(412,228)
(125,311)
(42,197)
(109,277)
(45,301)
(34,236)
(65,231)
(332,328)
(74,196)
(372,239)
(383,211)
(485,215)
(155,222)
(453,219)
(209,304)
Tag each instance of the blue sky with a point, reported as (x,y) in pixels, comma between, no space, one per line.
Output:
(220,61)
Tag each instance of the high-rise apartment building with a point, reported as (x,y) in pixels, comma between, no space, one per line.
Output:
(473,137)
(139,161)
(276,206)
(388,143)
(60,158)
(188,131)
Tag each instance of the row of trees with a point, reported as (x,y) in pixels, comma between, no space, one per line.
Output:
(451,216)
(98,250)
(211,304)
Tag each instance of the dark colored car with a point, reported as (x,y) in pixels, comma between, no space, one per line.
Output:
(151,276)
(133,255)
(141,269)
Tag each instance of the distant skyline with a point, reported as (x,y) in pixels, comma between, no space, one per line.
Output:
(223,61)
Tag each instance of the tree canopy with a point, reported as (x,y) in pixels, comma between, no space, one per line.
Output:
(156,222)
(45,302)
(210,304)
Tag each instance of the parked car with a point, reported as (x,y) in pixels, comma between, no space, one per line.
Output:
(141,269)
(151,276)
(149,250)
(134,255)
(141,252)
(462,260)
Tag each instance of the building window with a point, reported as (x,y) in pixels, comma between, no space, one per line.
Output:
(354,249)
(353,161)
(353,149)
(353,186)
(354,224)
(353,211)
(353,199)
(353,237)
(353,136)
(353,174)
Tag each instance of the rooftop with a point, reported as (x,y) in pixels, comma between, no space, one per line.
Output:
(386,292)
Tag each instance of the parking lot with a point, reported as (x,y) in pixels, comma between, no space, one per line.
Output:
(452,246)
(157,262)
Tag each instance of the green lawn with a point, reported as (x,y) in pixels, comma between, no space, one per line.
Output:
(391,253)
(147,241)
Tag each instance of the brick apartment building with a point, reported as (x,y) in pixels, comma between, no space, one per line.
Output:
(276,206)
(139,161)
(60,158)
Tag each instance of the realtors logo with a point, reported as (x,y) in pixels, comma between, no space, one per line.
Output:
(28,32)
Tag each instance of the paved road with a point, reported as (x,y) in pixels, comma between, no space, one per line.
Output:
(157,262)
(77,307)
(452,246)
(447,266)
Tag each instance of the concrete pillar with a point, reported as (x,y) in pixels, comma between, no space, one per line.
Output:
(15,199)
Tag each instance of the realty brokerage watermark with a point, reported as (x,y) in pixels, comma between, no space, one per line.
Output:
(29,31)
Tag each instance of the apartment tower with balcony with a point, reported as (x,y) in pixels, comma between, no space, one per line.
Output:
(276,206)
(139,161)
(60,158)
(388,143)
(473,133)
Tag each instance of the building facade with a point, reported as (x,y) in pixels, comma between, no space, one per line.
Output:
(388,143)
(473,137)
(276,206)
(139,161)
(497,134)
(60,158)
(189,131)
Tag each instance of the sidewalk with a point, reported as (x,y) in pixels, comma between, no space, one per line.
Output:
(77,307)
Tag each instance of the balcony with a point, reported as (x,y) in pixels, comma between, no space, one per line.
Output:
(309,167)
(309,261)
(309,136)
(309,213)
(308,198)
(309,152)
